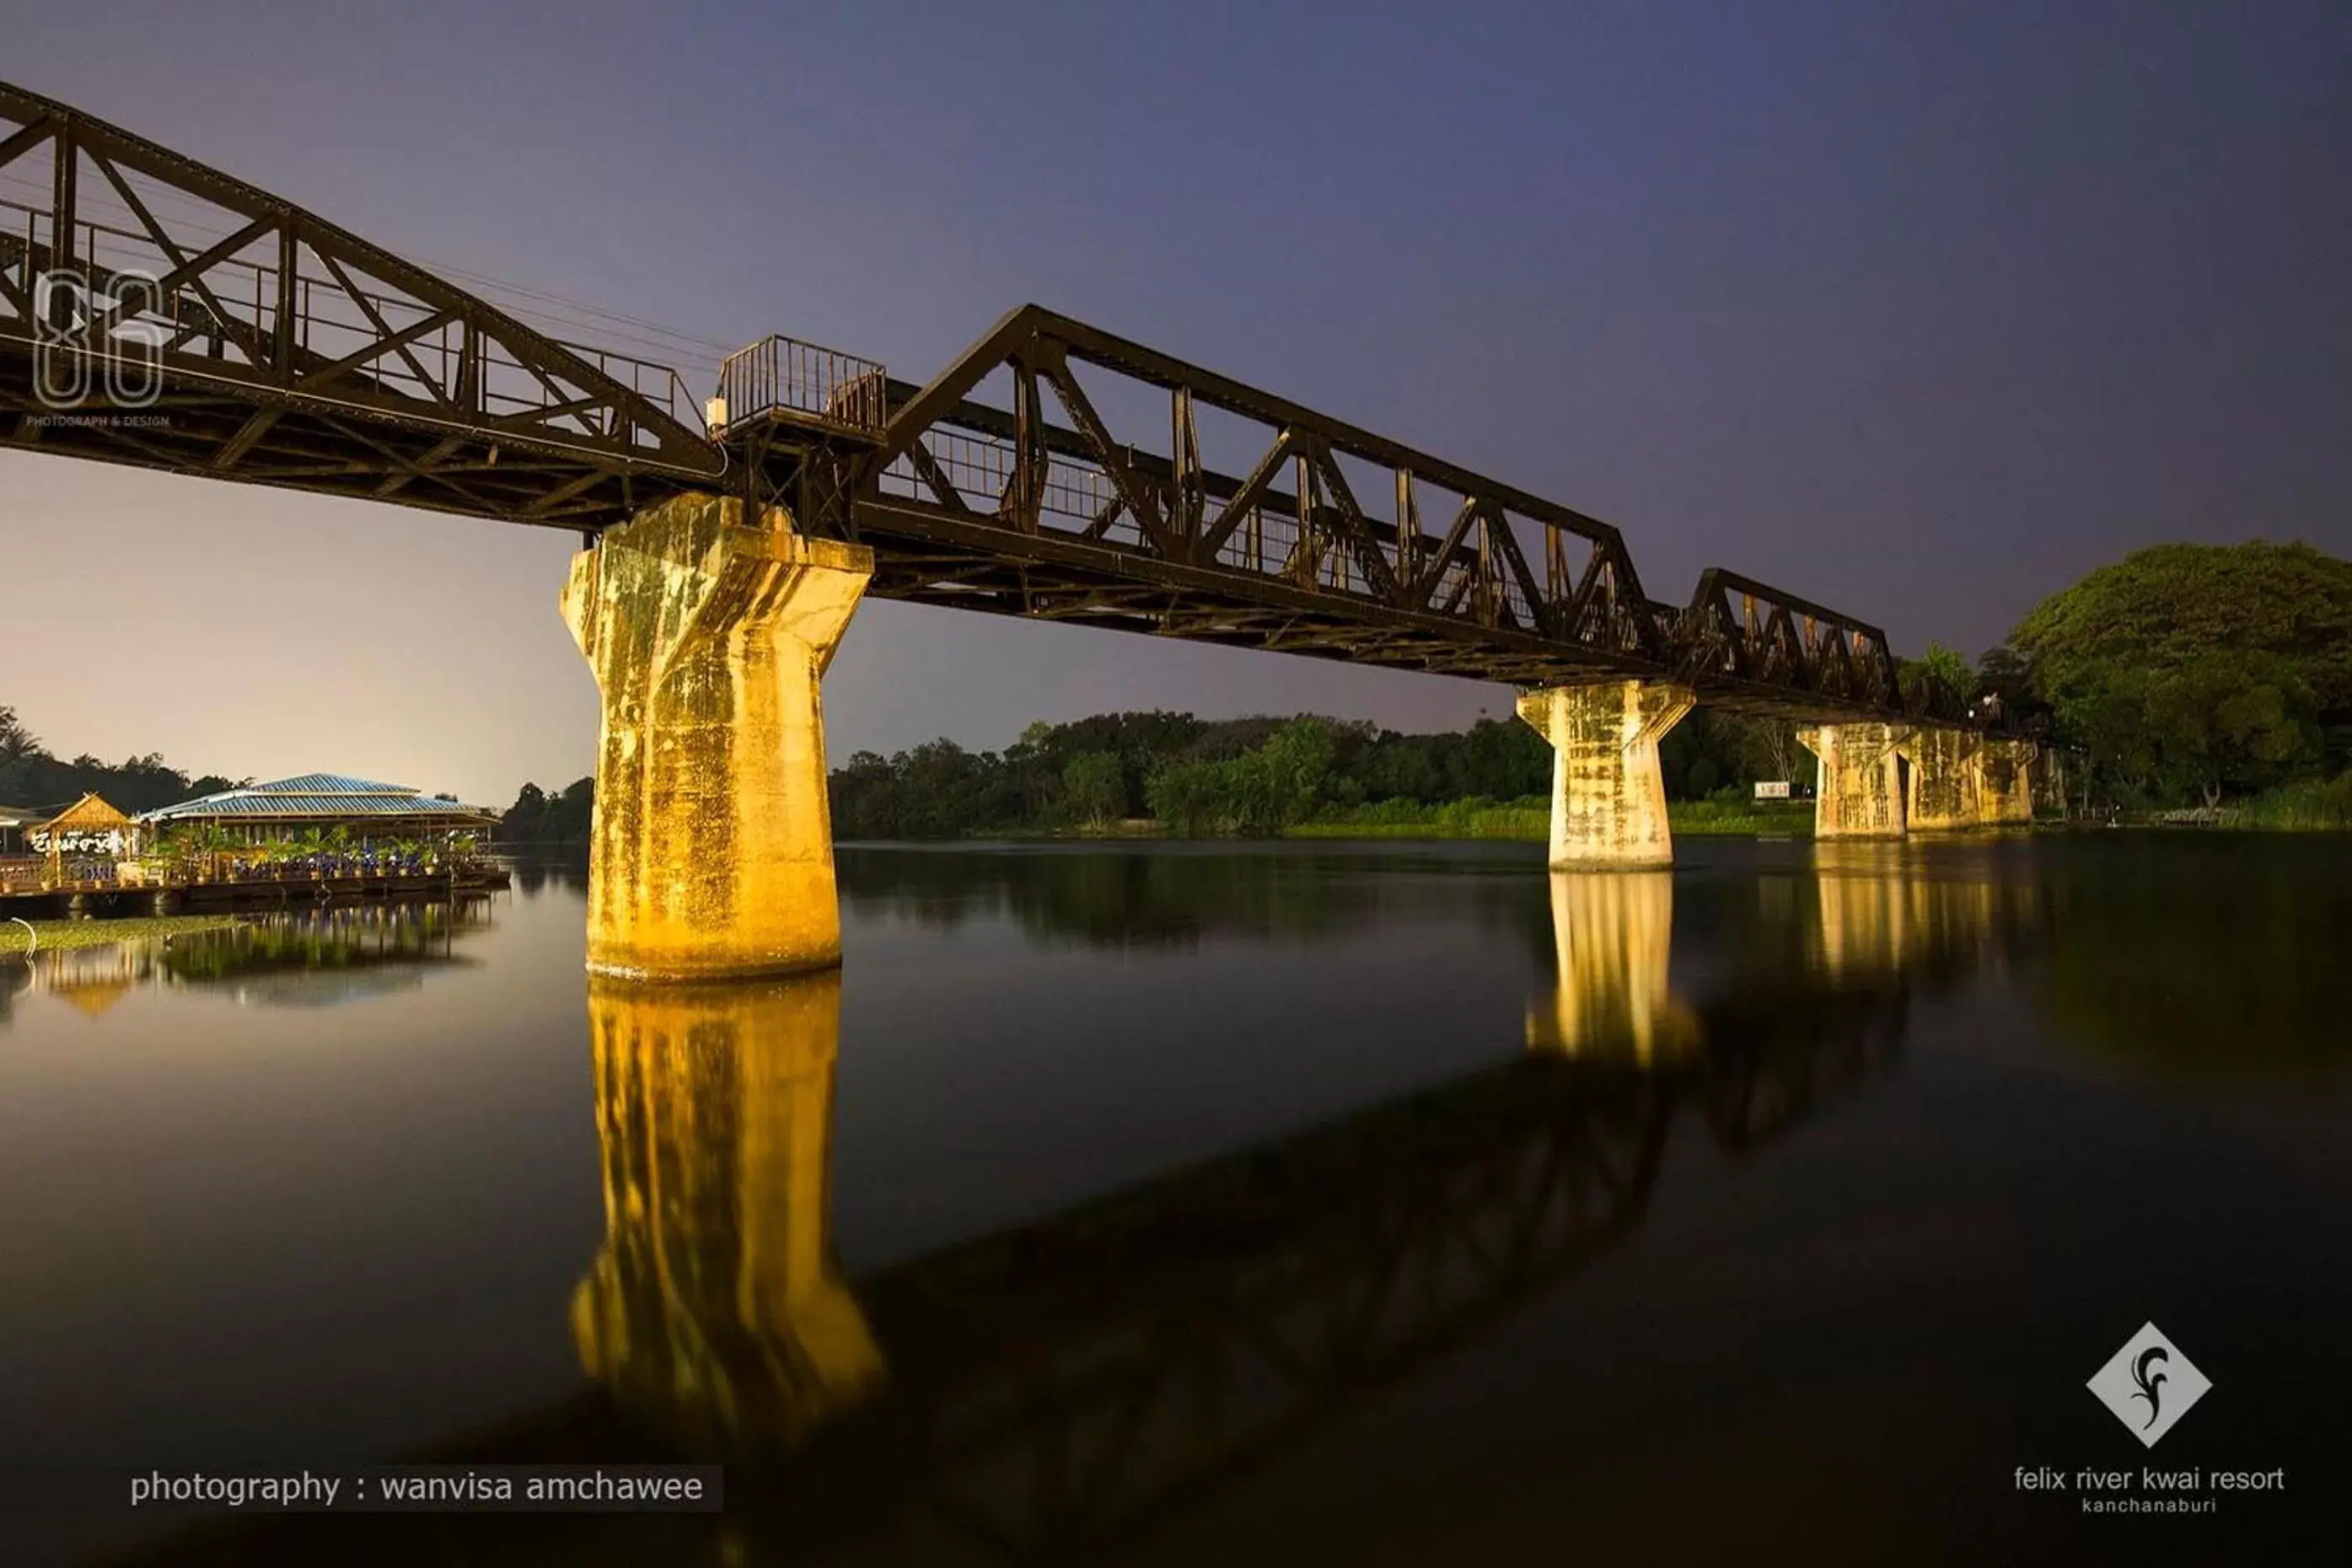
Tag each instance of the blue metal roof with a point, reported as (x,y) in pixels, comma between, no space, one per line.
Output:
(316,794)
(327,784)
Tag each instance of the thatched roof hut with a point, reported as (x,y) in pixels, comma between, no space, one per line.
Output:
(88,825)
(90,814)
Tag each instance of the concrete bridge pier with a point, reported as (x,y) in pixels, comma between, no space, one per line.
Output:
(2008,788)
(1608,797)
(1945,793)
(713,849)
(1860,794)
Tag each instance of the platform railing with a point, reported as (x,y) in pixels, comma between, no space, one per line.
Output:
(804,382)
(329,320)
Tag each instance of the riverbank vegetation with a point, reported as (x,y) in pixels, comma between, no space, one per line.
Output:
(2311,805)
(1261,777)
(1528,819)
(539,817)
(2182,676)
(30,775)
(59,936)
(2215,677)
(1179,774)
(2192,676)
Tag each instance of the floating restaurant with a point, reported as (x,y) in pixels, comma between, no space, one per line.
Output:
(324,834)
(361,808)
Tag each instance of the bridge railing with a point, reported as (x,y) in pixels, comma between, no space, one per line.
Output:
(331,318)
(805,383)
(1052,429)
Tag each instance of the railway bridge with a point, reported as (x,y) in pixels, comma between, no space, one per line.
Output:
(158,312)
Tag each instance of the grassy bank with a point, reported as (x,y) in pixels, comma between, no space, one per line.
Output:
(56,936)
(2312,805)
(1529,819)
(1743,818)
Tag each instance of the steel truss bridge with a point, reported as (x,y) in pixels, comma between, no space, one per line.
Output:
(1053,471)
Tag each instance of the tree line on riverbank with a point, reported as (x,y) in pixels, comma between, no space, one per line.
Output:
(2190,675)
(31,775)
(1253,776)
(1195,777)
(2181,676)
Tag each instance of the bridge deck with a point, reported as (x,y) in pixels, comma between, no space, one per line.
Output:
(216,329)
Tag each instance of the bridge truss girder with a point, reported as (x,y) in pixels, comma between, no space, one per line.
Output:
(1030,503)
(219,330)
(285,350)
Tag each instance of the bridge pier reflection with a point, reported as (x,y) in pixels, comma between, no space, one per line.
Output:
(712,848)
(1608,796)
(1612,935)
(1884,911)
(715,1308)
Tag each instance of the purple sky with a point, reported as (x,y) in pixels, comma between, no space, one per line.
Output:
(1918,310)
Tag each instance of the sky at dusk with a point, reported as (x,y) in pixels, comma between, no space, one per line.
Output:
(1918,310)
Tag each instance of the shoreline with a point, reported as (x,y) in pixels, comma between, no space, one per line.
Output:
(1796,825)
(65,936)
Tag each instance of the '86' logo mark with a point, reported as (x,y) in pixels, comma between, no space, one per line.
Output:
(93,341)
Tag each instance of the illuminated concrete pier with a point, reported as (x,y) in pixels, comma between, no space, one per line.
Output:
(1612,935)
(1960,779)
(1608,797)
(1946,792)
(2008,784)
(715,1308)
(712,850)
(1860,794)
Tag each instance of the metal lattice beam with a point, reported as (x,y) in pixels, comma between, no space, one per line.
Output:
(280,349)
(1053,471)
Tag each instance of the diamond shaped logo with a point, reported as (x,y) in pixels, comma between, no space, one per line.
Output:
(2149,1385)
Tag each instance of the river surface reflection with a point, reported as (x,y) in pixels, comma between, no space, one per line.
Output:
(1175,1203)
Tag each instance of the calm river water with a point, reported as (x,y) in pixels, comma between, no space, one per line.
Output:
(1188,1204)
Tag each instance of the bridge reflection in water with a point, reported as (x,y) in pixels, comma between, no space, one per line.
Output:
(1055,1390)
(714,1304)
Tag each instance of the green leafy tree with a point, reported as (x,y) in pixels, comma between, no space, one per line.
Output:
(1945,674)
(16,742)
(2199,670)
(1094,789)
(2007,677)
(1193,797)
(539,817)
(1281,781)
(2230,716)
